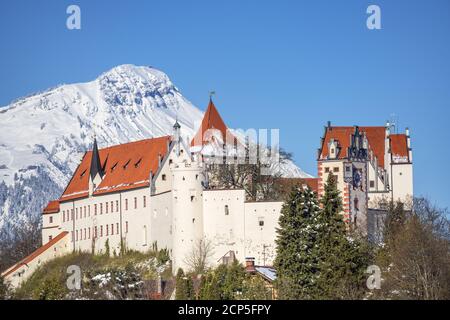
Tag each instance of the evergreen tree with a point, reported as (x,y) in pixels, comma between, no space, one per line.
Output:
(209,288)
(296,263)
(184,286)
(342,258)
(234,280)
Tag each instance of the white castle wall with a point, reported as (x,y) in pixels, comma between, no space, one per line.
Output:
(240,230)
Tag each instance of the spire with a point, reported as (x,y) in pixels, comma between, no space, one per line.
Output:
(177,136)
(211,120)
(96,166)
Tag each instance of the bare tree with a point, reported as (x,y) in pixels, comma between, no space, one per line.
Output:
(259,180)
(198,259)
(416,257)
(20,241)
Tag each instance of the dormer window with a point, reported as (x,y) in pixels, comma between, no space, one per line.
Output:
(333,149)
(137,163)
(126,164)
(114,166)
(163,177)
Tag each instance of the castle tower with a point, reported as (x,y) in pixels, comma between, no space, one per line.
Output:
(187,222)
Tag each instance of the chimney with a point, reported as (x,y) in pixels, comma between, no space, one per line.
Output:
(329,125)
(250,264)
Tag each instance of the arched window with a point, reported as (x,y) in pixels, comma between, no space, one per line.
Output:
(227,210)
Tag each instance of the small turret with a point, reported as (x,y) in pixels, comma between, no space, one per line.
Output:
(96,171)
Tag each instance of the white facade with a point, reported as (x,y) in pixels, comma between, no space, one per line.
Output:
(175,212)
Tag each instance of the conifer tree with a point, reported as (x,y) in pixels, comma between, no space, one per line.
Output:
(296,262)
(184,286)
(342,258)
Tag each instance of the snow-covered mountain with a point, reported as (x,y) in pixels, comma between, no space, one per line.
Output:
(44,136)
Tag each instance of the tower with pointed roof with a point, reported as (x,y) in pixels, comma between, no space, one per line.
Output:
(187,199)
(95,169)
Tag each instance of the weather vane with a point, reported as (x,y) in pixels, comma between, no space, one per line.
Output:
(211,94)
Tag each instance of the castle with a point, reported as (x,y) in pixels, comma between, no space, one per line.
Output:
(157,193)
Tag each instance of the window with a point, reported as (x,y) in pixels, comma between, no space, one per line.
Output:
(64,216)
(107,229)
(117,228)
(170,161)
(106,207)
(137,163)
(117,205)
(227,210)
(126,164)
(163,177)
(101,231)
(261,222)
(112,206)
(144,201)
(192,198)
(95,232)
(372,184)
(50,238)
(327,170)
(196,177)
(77,235)
(135,202)
(76,213)
(126,204)
(336,169)
(112,228)
(348,168)
(101,208)
(85,234)
(71,232)
(126,227)
(332,150)
(95,209)
(89,210)
(89,232)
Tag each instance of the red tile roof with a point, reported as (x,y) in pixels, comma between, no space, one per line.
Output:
(399,146)
(375,137)
(288,183)
(126,166)
(52,207)
(211,120)
(36,253)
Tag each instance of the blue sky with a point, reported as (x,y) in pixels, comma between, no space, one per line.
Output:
(291,65)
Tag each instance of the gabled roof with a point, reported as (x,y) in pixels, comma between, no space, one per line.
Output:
(35,253)
(375,136)
(52,207)
(211,120)
(125,166)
